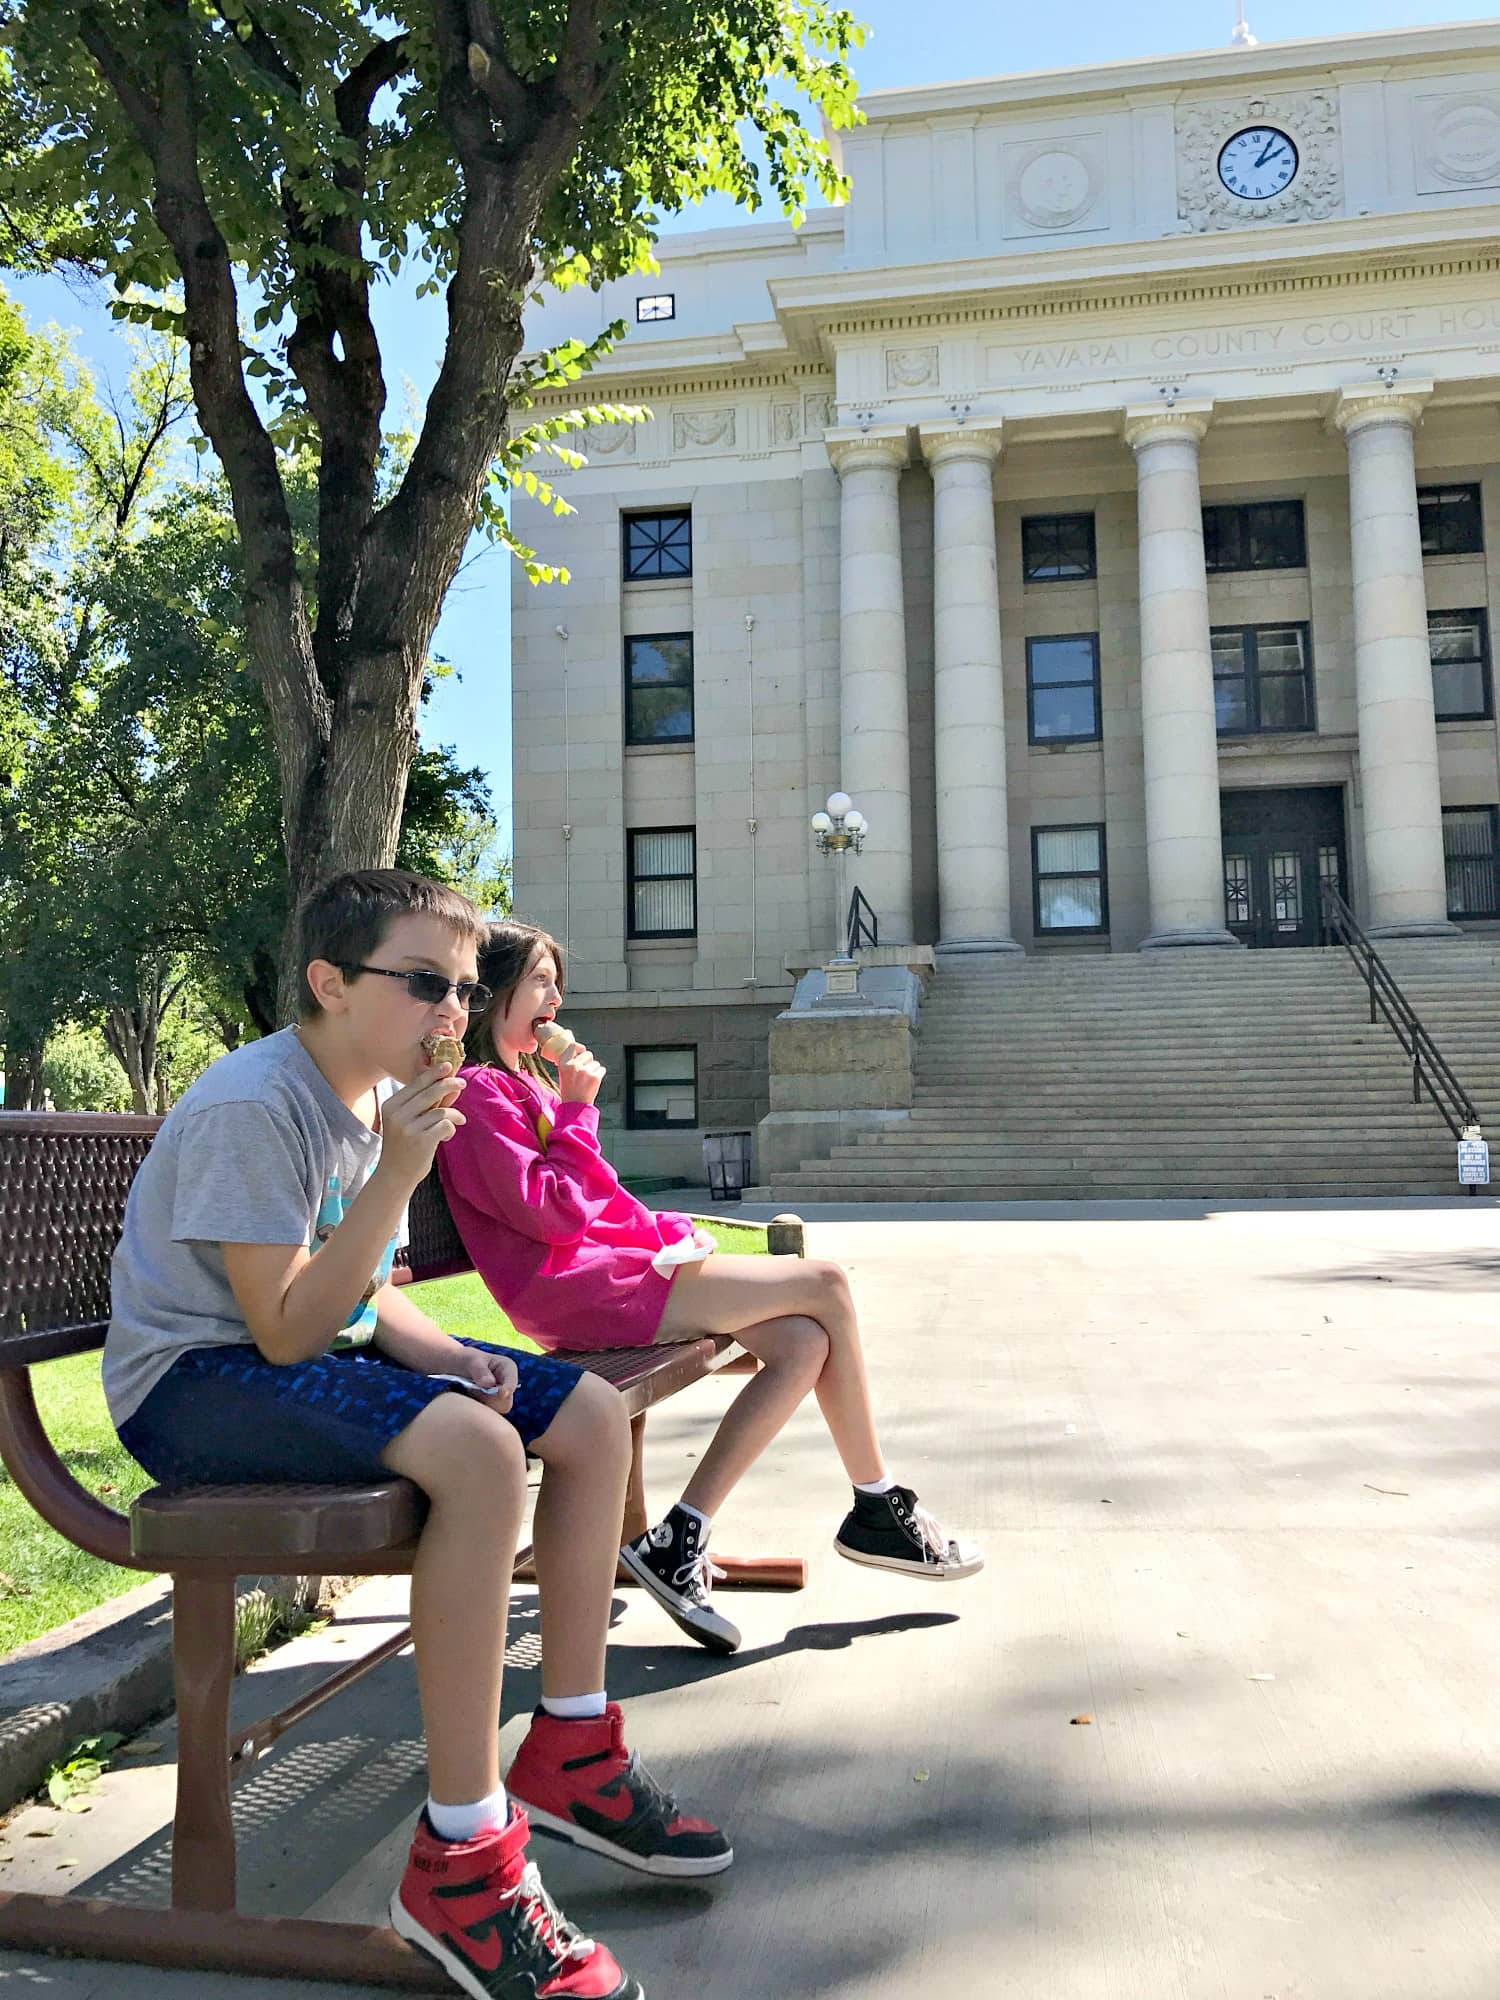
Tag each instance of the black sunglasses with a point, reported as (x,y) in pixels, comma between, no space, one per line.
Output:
(431,988)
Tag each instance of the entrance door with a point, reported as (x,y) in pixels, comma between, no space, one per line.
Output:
(1278,847)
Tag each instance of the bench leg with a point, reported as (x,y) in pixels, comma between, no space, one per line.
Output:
(203,1666)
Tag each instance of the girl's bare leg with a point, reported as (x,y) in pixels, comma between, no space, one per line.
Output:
(472,1467)
(794,1353)
(728,1294)
(585,1451)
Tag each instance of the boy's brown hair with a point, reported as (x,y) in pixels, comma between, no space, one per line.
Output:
(346,918)
(505,955)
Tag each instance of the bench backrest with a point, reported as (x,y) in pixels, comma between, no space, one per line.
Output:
(434,1248)
(64,1177)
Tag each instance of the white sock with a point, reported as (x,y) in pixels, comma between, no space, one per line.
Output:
(465,1822)
(574,1707)
(705,1521)
(884,1484)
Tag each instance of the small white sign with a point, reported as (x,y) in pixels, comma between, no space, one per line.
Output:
(841,981)
(1473,1163)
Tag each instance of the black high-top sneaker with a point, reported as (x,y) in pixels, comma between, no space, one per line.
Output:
(894,1531)
(671,1561)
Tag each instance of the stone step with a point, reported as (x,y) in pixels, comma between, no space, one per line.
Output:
(1082,1187)
(1221,1076)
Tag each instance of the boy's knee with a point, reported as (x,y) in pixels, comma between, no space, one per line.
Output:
(457,1448)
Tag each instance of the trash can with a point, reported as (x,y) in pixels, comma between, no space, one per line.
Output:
(726,1159)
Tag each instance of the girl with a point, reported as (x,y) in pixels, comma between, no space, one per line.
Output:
(577,1262)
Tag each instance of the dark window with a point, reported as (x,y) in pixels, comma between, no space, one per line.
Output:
(1469,857)
(663,882)
(1062,689)
(1057,548)
(658,545)
(1266,534)
(1452,520)
(1067,876)
(1262,679)
(656,305)
(1459,642)
(659,688)
(661,1087)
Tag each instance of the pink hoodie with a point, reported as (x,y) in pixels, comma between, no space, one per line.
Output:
(563,1248)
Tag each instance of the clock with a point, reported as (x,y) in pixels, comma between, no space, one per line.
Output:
(1257,163)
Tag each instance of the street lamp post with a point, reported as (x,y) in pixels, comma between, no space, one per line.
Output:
(838,830)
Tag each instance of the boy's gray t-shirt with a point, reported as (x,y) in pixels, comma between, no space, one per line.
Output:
(259,1150)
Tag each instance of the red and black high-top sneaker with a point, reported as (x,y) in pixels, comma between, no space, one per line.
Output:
(577,1780)
(478,1907)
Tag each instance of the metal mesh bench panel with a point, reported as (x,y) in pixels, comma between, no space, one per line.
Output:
(63,1183)
(434,1248)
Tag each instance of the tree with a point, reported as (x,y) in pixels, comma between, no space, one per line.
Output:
(277,157)
(142,834)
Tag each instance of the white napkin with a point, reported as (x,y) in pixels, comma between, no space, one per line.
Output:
(691,1250)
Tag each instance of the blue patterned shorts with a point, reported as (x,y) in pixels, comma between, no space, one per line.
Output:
(226,1416)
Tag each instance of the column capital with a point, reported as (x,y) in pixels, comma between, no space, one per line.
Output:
(942,443)
(1149,423)
(886,449)
(1356,409)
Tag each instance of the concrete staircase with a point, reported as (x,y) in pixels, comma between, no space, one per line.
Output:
(1251,1074)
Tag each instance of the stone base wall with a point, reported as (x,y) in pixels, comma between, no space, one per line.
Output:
(733,1079)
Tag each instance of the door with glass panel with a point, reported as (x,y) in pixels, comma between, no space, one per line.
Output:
(1279,848)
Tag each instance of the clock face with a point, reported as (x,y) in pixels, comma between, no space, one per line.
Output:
(1257,163)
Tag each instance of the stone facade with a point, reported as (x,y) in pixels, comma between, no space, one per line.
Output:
(1042,299)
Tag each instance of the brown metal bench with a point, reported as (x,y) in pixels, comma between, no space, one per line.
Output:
(63,1183)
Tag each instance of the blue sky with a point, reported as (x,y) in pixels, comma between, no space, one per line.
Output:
(906,45)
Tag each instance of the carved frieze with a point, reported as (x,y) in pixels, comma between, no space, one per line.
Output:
(1309,118)
(786,423)
(1457,141)
(911,367)
(702,430)
(817,411)
(608,441)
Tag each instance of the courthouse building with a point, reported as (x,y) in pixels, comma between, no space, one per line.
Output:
(1104,497)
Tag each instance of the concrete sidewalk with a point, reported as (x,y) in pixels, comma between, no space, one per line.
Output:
(1235,1473)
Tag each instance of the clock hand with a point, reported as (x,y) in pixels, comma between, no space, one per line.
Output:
(1269,153)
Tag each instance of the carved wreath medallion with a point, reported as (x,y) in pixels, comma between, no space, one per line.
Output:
(1310,118)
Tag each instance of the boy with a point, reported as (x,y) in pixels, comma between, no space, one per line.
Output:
(256,1337)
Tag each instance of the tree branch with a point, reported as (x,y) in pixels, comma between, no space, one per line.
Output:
(262,51)
(489,71)
(275,606)
(345,395)
(378,67)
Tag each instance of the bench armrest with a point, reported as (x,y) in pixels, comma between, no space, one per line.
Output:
(33,1463)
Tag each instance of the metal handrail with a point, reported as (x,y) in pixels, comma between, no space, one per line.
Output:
(1430,1069)
(864,926)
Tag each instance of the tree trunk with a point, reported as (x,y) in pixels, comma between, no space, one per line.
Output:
(122,1031)
(346,812)
(25,1089)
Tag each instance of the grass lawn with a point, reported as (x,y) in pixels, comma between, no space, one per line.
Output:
(45,1580)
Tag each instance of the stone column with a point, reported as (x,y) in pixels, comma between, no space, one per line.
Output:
(874,734)
(1398,754)
(1179,741)
(973,828)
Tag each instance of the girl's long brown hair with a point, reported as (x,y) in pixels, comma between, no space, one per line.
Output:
(505,957)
